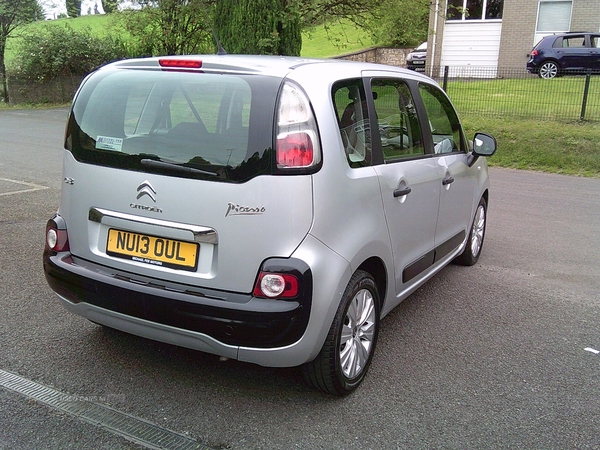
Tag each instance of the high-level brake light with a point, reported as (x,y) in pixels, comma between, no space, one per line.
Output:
(180,63)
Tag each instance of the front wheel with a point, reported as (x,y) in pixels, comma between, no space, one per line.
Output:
(472,250)
(346,355)
(548,69)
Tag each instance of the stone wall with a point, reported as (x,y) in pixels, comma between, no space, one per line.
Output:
(58,90)
(381,55)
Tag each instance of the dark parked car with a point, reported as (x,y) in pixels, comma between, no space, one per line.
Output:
(564,53)
(416,59)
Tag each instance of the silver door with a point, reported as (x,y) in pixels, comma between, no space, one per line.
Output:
(409,179)
(459,181)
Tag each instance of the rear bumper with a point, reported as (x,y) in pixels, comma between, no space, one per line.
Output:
(203,319)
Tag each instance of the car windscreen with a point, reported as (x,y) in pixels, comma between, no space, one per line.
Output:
(194,125)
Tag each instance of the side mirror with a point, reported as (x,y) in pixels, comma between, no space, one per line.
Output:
(484,144)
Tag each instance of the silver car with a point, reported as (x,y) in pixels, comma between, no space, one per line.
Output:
(265,209)
(417,58)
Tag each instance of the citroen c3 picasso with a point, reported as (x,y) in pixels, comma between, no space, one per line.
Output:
(266,209)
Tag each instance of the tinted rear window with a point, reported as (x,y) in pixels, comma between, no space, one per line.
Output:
(195,125)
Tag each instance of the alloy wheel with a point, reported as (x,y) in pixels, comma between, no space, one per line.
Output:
(358,333)
(548,70)
(478,231)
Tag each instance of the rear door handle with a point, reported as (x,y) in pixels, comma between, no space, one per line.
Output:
(447,181)
(402,191)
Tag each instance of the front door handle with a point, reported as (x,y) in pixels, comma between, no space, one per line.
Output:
(402,191)
(447,181)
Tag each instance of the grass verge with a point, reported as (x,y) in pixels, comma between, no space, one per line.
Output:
(556,99)
(569,148)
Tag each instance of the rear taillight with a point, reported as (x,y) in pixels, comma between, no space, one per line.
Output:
(534,53)
(276,285)
(297,135)
(295,150)
(57,240)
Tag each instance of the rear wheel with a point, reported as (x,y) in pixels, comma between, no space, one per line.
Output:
(548,69)
(348,350)
(472,250)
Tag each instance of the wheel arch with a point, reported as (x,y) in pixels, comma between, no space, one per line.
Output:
(375,267)
(550,59)
(486,197)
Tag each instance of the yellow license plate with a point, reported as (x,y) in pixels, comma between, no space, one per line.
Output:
(152,250)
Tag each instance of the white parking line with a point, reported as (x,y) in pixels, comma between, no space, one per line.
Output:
(592,350)
(31,187)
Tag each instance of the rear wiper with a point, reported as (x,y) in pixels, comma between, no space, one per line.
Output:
(175,167)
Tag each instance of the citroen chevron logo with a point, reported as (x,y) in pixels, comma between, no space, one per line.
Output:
(146,189)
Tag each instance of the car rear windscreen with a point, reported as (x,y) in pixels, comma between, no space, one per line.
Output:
(194,125)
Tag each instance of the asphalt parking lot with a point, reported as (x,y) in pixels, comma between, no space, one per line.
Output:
(504,354)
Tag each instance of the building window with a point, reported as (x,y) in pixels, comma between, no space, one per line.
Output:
(474,9)
(554,16)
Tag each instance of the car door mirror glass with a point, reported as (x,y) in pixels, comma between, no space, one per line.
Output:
(484,144)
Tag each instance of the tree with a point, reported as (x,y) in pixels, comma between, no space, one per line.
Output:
(12,14)
(359,12)
(73,8)
(390,22)
(400,23)
(170,27)
(110,6)
(259,26)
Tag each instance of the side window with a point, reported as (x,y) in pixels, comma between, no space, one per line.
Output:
(573,42)
(443,121)
(397,120)
(350,105)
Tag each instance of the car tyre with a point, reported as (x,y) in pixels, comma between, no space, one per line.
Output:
(346,355)
(548,69)
(474,244)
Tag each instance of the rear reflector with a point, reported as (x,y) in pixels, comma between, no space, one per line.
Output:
(181,63)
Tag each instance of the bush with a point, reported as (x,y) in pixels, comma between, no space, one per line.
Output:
(52,51)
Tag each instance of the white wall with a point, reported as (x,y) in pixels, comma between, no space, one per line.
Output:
(474,43)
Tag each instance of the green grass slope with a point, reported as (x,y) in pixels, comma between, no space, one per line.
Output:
(317,42)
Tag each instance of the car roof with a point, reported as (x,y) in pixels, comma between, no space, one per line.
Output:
(570,33)
(261,64)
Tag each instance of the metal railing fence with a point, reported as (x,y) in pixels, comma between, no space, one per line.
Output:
(483,91)
(516,93)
